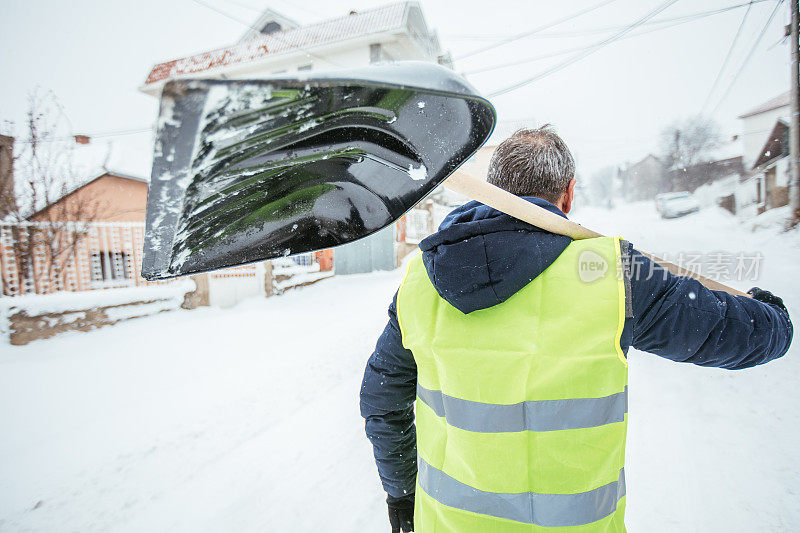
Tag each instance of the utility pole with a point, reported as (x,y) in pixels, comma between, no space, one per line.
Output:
(794,126)
(8,201)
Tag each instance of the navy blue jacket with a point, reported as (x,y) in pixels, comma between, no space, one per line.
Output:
(480,257)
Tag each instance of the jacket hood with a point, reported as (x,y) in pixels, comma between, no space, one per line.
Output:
(480,257)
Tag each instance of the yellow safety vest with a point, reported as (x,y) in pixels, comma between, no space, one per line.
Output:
(521,408)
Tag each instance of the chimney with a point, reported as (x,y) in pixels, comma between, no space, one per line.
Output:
(82,139)
(8,201)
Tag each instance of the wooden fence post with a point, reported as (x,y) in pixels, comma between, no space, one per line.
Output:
(269,283)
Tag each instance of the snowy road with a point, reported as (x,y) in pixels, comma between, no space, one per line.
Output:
(247,419)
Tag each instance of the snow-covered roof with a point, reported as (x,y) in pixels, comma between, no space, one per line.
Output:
(129,157)
(773,103)
(381,19)
(727,149)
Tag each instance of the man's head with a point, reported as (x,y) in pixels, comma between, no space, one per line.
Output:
(535,162)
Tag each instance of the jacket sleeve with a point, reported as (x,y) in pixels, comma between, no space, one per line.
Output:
(387,397)
(678,318)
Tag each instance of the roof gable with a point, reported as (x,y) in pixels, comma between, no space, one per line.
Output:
(87,183)
(268,16)
(776,147)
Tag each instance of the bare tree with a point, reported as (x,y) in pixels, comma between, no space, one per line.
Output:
(601,187)
(686,144)
(47,222)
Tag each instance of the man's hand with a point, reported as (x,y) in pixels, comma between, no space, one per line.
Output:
(401,513)
(766,297)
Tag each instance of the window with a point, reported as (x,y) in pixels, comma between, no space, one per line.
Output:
(270,27)
(110,267)
(375,53)
(304,259)
(759,190)
(305,67)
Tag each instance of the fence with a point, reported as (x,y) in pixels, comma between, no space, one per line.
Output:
(42,258)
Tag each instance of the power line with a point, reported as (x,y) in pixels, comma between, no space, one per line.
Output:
(241,4)
(97,135)
(581,55)
(261,9)
(749,56)
(535,30)
(271,35)
(523,61)
(727,58)
(604,29)
(674,22)
(224,14)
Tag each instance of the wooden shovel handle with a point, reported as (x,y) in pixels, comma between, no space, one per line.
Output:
(504,201)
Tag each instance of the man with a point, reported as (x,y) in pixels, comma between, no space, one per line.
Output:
(513,343)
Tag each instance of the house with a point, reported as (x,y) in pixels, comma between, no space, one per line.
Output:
(387,33)
(758,124)
(644,179)
(765,180)
(108,210)
(276,45)
(114,204)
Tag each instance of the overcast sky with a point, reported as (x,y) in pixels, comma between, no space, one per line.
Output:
(609,106)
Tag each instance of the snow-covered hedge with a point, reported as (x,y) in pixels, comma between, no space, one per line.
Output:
(31,317)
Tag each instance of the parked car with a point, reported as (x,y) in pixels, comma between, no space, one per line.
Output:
(676,204)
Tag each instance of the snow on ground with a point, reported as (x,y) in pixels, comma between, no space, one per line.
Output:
(211,420)
(246,419)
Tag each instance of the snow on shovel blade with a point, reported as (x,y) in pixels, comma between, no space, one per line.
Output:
(251,170)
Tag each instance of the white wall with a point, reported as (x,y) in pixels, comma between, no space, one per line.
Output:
(746,194)
(782,172)
(350,54)
(229,291)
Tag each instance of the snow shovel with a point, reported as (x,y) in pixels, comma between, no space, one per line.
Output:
(249,170)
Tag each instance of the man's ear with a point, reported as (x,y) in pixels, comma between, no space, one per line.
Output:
(569,194)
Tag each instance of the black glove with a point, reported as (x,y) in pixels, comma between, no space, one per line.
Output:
(766,297)
(401,513)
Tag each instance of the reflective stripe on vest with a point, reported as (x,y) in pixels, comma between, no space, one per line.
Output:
(549,510)
(522,407)
(542,415)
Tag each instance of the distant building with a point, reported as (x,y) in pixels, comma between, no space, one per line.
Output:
(643,180)
(277,45)
(758,124)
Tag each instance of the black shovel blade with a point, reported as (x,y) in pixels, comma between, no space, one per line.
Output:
(251,170)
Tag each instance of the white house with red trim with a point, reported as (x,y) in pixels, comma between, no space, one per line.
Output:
(275,45)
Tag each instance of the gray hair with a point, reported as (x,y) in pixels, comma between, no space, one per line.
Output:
(533,162)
